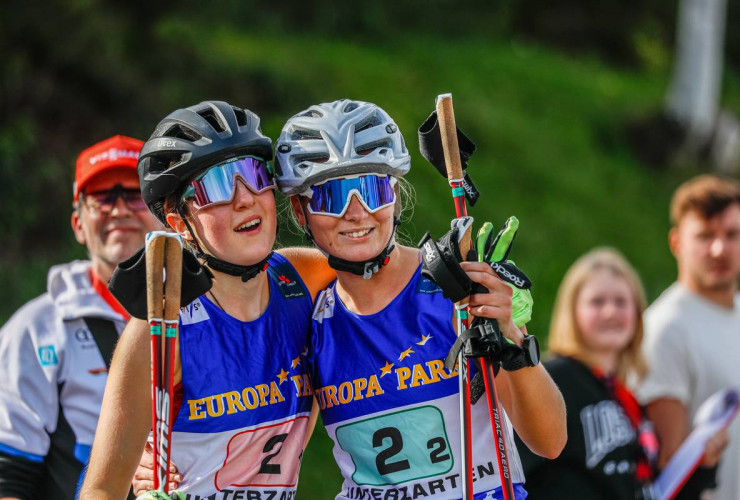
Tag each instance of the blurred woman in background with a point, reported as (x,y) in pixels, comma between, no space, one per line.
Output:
(595,337)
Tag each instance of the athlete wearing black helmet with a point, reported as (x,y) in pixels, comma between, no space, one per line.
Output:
(240,398)
(191,140)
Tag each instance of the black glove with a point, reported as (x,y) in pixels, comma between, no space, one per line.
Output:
(128,283)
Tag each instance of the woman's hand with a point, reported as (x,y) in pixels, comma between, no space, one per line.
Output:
(714,447)
(497,303)
(144,476)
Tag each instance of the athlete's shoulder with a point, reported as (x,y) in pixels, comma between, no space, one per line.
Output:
(312,267)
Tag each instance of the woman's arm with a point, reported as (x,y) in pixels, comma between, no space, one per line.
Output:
(312,266)
(530,397)
(124,419)
(536,409)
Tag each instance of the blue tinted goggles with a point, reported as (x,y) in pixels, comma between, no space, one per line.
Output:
(218,184)
(334,196)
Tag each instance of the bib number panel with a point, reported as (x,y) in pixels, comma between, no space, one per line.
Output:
(398,447)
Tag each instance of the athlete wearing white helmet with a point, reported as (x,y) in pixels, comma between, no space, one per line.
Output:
(345,139)
(393,410)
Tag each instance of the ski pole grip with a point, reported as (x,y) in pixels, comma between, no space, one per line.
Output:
(448,131)
(466,242)
(173,280)
(154,274)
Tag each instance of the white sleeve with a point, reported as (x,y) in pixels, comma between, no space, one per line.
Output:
(666,351)
(31,356)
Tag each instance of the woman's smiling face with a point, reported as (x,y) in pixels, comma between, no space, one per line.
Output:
(356,236)
(606,313)
(241,232)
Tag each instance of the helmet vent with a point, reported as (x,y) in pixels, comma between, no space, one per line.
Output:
(179,132)
(366,149)
(351,106)
(241,117)
(210,116)
(302,134)
(368,122)
(311,113)
(312,158)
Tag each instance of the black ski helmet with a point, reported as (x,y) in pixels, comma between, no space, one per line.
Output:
(192,139)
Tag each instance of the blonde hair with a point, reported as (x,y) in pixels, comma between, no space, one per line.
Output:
(565,336)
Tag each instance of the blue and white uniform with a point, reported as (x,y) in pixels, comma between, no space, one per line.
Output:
(246,400)
(389,404)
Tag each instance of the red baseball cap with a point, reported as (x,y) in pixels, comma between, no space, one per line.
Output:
(118,152)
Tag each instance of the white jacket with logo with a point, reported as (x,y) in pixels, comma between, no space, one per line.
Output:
(52,376)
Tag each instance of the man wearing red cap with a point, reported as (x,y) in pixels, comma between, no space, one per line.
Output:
(55,350)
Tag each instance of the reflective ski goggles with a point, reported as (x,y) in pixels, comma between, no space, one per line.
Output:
(104,201)
(218,184)
(334,196)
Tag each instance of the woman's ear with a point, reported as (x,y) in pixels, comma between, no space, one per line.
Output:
(174,220)
(295,202)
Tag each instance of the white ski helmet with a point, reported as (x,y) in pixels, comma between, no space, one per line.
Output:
(336,139)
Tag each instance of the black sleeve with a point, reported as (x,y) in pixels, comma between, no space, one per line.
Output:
(703,478)
(20,477)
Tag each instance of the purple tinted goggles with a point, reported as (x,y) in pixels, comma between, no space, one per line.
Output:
(218,184)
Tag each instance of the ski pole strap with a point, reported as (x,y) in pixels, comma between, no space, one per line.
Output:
(465,341)
(482,340)
(430,146)
(441,264)
(128,283)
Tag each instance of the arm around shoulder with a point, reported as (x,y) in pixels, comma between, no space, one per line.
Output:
(312,266)
(124,420)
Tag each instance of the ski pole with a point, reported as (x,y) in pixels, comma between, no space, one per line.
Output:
(164,275)
(155,243)
(448,132)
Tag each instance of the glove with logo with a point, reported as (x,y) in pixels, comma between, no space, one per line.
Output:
(495,251)
(441,263)
(484,339)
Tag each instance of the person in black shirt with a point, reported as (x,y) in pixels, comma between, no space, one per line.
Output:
(595,337)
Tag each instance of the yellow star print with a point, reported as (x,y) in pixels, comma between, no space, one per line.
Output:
(405,354)
(296,362)
(424,339)
(386,369)
(283,376)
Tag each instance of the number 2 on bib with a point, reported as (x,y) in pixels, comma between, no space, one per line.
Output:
(397,447)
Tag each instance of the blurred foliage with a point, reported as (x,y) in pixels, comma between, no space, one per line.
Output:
(548,125)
